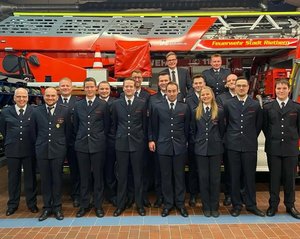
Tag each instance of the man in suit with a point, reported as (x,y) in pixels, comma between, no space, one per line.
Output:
(91,125)
(179,75)
(19,151)
(66,98)
(192,101)
(129,125)
(110,180)
(244,122)
(282,130)
(50,129)
(221,100)
(170,128)
(215,77)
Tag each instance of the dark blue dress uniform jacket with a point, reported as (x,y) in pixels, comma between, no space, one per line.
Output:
(51,134)
(243,125)
(16,132)
(91,139)
(283,142)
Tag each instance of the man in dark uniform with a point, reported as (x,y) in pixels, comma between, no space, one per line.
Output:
(215,77)
(192,100)
(163,80)
(244,122)
(221,100)
(110,180)
(50,128)
(282,130)
(179,75)
(170,128)
(129,124)
(19,151)
(66,98)
(91,125)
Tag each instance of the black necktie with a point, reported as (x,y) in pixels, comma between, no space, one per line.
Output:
(173,76)
(241,105)
(207,111)
(172,107)
(49,110)
(90,103)
(129,104)
(21,112)
(282,105)
(65,100)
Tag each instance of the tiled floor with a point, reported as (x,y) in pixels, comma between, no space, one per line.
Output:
(24,224)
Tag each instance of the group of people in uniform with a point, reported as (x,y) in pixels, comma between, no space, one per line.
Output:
(111,144)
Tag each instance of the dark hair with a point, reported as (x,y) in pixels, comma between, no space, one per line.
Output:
(283,81)
(173,83)
(198,76)
(171,53)
(89,79)
(128,79)
(241,78)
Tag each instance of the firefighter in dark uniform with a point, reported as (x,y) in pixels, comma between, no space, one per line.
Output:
(282,131)
(244,122)
(91,125)
(66,98)
(19,151)
(50,128)
(129,125)
(170,129)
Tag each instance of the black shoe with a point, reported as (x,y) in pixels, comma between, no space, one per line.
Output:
(99,212)
(11,211)
(165,212)
(147,203)
(34,209)
(256,211)
(235,212)
(76,203)
(59,215)
(206,213)
(183,212)
(271,211)
(129,203)
(227,201)
(118,212)
(215,213)
(141,211)
(44,215)
(158,203)
(293,212)
(82,211)
(192,201)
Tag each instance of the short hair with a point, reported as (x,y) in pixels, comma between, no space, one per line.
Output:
(128,79)
(103,82)
(198,76)
(215,55)
(283,81)
(163,73)
(66,79)
(137,71)
(20,89)
(242,78)
(171,53)
(173,83)
(89,79)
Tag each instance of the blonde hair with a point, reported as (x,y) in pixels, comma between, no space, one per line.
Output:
(214,106)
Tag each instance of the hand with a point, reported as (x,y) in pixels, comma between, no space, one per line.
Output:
(152,146)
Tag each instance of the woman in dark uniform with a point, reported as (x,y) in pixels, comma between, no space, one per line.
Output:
(207,130)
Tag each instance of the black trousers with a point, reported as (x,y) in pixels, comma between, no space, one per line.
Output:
(209,173)
(173,166)
(110,179)
(124,159)
(91,163)
(14,166)
(193,171)
(74,173)
(51,171)
(227,183)
(282,168)
(157,176)
(242,163)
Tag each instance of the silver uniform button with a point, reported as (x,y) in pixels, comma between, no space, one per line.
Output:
(88,135)
(49,134)
(49,140)
(21,133)
(128,134)
(21,139)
